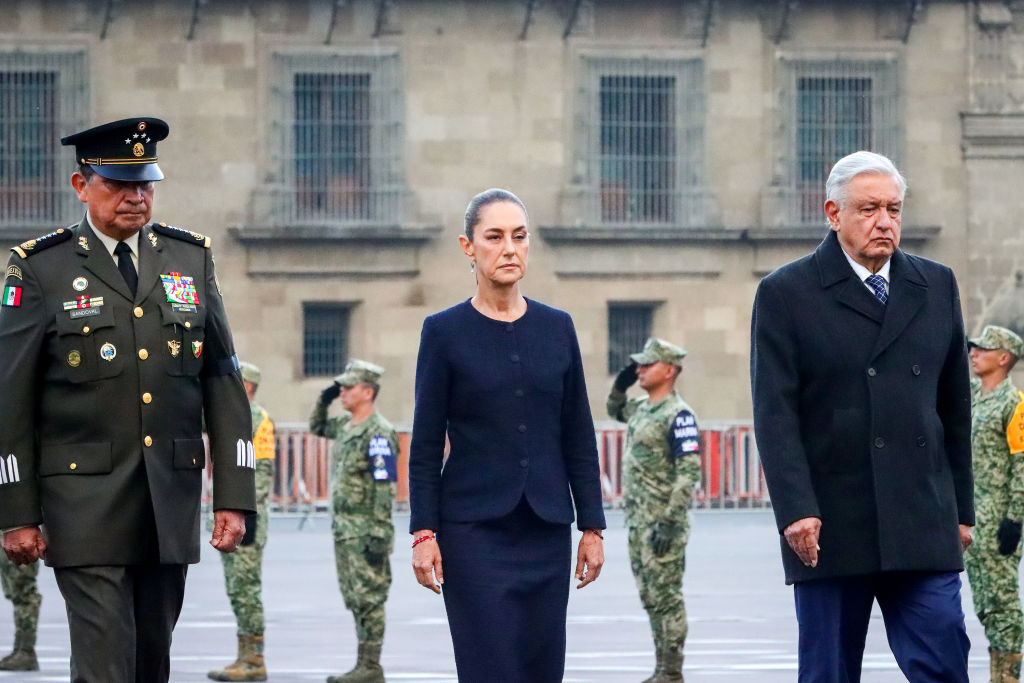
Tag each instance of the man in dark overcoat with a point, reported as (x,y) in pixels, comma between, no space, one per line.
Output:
(862,413)
(116,344)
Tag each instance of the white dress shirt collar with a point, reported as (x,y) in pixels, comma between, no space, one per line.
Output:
(863,273)
(110,243)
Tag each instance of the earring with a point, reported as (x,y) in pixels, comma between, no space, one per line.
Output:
(472,266)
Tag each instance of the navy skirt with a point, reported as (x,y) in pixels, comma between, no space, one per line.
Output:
(506,588)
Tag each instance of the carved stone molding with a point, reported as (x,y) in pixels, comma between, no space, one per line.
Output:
(992,136)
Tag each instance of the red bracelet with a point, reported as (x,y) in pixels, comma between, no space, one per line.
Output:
(421,539)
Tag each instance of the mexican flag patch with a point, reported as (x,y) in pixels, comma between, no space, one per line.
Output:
(12,296)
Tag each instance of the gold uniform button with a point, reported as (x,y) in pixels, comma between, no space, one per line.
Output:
(188,325)
(137,312)
(73,465)
(148,441)
(143,354)
(147,398)
(85,330)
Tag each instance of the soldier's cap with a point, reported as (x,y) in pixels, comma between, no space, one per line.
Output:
(121,150)
(250,373)
(995,337)
(359,372)
(659,350)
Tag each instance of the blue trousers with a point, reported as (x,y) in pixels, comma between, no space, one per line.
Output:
(924,624)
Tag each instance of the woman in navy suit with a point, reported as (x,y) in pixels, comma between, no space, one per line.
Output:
(501,375)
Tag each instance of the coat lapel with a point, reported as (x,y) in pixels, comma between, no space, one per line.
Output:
(98,260)
(908,291)
(151,261)
(835,270)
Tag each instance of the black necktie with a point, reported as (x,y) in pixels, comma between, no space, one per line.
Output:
(127,268)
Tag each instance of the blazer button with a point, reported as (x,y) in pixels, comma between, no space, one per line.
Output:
(510,328)
(137,312)
(916,369)
(85,330)
(188,325)
(879,442)
(519,393)
(521,428)
(921,441)
(524,462)
(871,372)
(147,397)
(148,441)
(514,357)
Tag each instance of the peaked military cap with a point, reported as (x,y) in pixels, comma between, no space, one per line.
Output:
(250,373)
(995,337)
(659,350)
(359,372)
(121,150)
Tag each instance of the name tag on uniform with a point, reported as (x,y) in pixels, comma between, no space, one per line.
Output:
(183,308)
(84,312)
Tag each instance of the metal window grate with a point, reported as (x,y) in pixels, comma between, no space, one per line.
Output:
(337,139)
(642,131)
(325,334)
(43,96)
(629,326)
(835,108)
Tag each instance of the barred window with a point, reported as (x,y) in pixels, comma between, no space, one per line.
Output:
(337,139)
(43,96)
(324,338)
(834,108)
(642,130)
(629,326)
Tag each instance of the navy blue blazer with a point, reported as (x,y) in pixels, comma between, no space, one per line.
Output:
(512,399)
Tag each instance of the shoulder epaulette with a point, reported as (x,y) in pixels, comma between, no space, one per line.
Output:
(180,234)
(26,249)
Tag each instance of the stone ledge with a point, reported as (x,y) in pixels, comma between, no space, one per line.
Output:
(678,234)
(992,136)
(797,233)
(378,234)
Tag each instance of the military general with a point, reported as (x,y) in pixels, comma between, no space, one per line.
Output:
(116,344)
(243,569)
(363,472)
(660,470)
(997,444)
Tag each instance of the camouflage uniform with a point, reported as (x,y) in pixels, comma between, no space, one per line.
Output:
(660,470)
(363,464)
(19,584)
(998,495)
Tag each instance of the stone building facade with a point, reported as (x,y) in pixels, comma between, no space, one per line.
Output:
(670,154)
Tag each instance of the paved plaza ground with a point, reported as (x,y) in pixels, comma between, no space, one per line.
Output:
(742,626)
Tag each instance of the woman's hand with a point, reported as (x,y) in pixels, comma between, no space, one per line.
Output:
(426,561)
(589,558)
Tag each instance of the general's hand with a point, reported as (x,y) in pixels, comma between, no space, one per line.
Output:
(662,537)
(25,545)
(966,537)
(626,377)
(589,558)
(802,536)
(228,530)
(330,393)
(426,562)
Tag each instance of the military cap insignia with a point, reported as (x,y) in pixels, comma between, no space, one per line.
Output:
(40,243)
(180,234)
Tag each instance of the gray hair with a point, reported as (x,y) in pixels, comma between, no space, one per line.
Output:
(853,165)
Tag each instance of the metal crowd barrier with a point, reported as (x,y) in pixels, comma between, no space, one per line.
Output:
(731,471)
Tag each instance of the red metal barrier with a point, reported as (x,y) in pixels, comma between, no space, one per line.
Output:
(731,476)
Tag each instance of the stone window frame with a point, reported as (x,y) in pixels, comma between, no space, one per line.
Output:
(623,341)
(26,207)
(386,191)
(691,206)
(313,358)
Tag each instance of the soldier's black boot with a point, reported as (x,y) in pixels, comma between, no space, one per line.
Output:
(659,666)
(367,669)
(23,658)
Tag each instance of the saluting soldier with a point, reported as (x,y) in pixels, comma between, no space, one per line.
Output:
(243,569)
(116,344)
(660,469)
(363,472)
(997,451)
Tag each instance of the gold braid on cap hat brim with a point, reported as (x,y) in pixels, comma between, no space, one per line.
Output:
(115,162)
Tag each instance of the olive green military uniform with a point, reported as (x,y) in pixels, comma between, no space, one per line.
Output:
(660,469)
(998,495)
(19,585)
(243,569)
(362,492)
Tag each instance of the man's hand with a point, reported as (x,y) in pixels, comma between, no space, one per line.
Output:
(662,537)
(802,536)
(228,530)
(1009,536)
(426,561)
(330,393)
(589,558)
(966,537)
(25,545)
(626,377)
